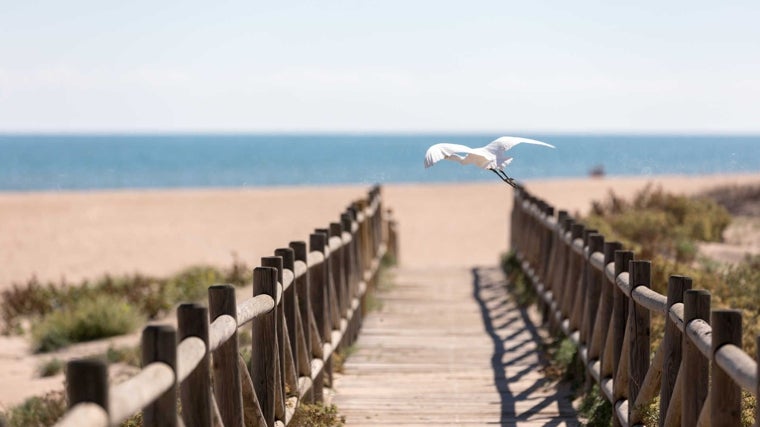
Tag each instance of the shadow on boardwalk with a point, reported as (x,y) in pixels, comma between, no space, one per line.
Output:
(509,364)
(448,347)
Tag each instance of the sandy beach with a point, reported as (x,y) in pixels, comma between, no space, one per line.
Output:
(78,235)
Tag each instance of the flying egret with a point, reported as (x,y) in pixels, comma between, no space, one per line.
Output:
(491,157)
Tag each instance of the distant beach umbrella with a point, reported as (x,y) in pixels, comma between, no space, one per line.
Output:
(491,157)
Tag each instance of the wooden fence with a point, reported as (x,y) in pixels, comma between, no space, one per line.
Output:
(308,301)
(599,296)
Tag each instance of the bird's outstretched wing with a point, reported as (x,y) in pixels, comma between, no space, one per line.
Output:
(505,143)
(438,152)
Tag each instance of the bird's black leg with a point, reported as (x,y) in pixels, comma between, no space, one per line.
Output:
(504,177)
(507,179)
(511,181)
(497,173)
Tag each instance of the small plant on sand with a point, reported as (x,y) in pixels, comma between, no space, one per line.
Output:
(517,282)
(316,415)
(135,420)
(388,260)
(383,283)
(50,367)
(595,408)
(103,316)
(37,411)
(128,355)
(340,356)
(650,412)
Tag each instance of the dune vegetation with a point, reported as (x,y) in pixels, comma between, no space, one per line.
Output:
(59,314)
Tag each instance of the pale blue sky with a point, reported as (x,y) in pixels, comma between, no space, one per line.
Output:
(486,66)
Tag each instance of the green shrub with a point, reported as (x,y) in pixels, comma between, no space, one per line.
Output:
(595,408)
(517,282)
(339,357)
(659,223)
(738,286)
(317,415)
(50,367)
(131,356)
(192,283)
(749,406)
(89,319)
(34,298)
(737,199)
(37,411)
(151,296)
(388,260)
(650,412)
(135,420)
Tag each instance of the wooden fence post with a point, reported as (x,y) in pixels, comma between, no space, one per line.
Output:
(515,221)
(265,372)
(228,387)
(318,282)
(392,242)
(285,356)
(552,283)
(364,236)
(318,279)
(339,272)
(619,322)
(305,315)
(352,329)
(352,273)
(695,366)
(638,336)
(672,348)
(87,381)
(159,344)
(569,277)
(604,315)
(290,309)
(546,243)
(581,293)
(195,391)
(593,290)
(725,405)
(533,247)
(555,263)
(331,294)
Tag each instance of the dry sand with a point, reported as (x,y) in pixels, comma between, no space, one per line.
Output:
(87,234)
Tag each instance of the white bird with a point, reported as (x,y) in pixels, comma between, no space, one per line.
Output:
(491,157)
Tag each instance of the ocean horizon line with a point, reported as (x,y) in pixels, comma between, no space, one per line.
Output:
(327,133)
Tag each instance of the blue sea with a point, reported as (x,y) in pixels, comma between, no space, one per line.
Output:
(87,162)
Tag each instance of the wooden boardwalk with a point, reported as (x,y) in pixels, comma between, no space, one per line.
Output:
(448,348)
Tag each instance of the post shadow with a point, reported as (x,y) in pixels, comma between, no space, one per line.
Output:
(498,313)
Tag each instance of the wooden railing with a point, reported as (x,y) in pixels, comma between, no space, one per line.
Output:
(307,303)
(599,296)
